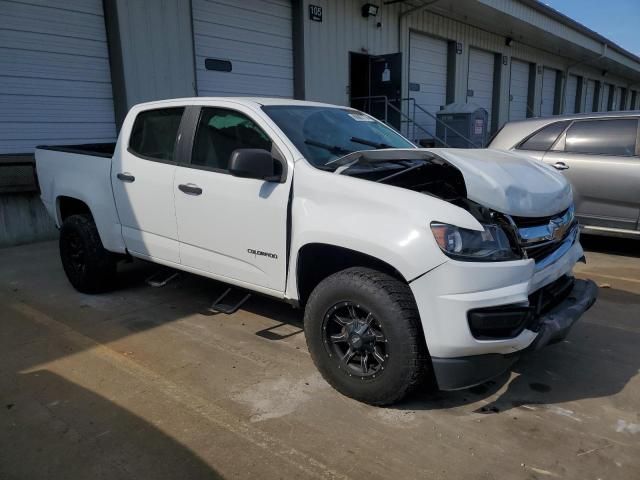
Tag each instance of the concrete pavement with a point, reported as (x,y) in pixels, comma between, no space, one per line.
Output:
(138,383)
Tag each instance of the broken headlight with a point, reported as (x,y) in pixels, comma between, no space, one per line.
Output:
(488,245)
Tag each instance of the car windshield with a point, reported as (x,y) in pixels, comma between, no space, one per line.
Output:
(324,134)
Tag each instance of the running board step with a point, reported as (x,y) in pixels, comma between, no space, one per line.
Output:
(162,277)
(233,300)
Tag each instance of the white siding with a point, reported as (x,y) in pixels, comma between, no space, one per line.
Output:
(428,71)
(480,79)
(548,92)
(55,82)
(255,36)
(518,90)
(588,96)
(571,89)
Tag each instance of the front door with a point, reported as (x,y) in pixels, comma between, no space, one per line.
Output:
(600,159)
(142,179)
(231,228)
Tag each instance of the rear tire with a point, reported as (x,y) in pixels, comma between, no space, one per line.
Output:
(370,319)
(89,267)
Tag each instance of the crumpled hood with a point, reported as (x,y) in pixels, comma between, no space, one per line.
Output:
(509,182)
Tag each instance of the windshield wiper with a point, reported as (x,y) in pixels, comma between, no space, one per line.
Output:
(370,143)
(335,149)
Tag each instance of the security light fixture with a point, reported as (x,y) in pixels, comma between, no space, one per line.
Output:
(369,10)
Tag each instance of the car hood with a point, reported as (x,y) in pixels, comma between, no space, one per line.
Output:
(509,182)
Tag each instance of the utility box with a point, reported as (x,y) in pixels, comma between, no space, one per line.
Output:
(462,125)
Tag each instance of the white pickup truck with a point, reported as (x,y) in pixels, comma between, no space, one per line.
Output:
(410,263)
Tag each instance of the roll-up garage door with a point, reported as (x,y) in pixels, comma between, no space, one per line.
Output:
(588,95)
(55,82)
(617,94)
(548,92)
(518,90)
(571,89)
(243,48)
(480,80)
(427,78)
(604,97)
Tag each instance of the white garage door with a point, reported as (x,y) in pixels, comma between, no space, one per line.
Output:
(588,95)
(617,97)
(248,44)
(571,89)
(55,83)
(427,78)
(604,97)
(480,80)
(518,90)
(548,92)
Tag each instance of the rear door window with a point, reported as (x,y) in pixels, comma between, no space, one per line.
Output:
(154,133)
(543,139)
(603,137)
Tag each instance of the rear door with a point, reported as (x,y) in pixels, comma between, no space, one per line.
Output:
(231,228)
(600,159)
(142,179)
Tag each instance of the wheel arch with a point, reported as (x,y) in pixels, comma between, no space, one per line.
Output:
(67,206)
(317,261)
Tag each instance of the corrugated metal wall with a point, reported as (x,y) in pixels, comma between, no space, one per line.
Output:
(156,44)
(343,30)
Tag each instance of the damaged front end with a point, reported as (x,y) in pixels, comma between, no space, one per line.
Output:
(476,180)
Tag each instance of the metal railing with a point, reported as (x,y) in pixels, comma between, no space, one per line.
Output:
(410,119)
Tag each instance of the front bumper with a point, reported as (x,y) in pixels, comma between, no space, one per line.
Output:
(446,295)
(464,372)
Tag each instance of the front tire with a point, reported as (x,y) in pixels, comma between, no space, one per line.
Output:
(89,267)
(363,333)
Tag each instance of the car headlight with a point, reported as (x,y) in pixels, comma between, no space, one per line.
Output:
(488,245)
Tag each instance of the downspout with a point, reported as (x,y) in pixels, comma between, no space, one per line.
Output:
(566,77)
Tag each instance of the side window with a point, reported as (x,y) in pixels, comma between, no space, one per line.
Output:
(154,133)
(542,140)
(222,131)
(603,137)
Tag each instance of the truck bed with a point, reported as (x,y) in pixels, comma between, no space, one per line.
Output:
(83,173)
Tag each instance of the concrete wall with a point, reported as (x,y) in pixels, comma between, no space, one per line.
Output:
(23,219)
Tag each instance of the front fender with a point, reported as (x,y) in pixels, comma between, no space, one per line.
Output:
(388,223)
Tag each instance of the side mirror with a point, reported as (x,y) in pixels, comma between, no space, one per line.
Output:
(253,163)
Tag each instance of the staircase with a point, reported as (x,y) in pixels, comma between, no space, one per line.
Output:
(381,106)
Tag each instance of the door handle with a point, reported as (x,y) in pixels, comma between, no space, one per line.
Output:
(560,166)
(190,189)
(126,177)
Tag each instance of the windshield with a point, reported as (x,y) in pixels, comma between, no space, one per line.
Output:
(323,134)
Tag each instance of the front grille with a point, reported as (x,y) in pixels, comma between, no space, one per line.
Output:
(540,237)
(542,251)
(524,222)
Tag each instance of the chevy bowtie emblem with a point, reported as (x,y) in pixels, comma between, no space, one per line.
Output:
(556,229)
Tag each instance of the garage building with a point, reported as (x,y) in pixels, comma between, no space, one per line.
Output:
(70,69)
